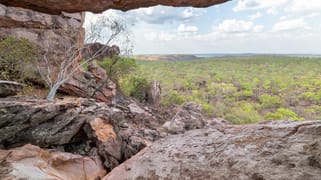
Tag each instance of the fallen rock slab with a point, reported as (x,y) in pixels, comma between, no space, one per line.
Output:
(32,162)
(284,150)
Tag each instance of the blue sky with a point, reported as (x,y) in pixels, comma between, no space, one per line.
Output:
(238,26)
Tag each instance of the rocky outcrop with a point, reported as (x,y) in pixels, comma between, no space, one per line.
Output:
(32,162)
(273,150)
(56,7)
(55,35)
(80,126)
(90,50)
(188,117)
(93,83)
(9,88)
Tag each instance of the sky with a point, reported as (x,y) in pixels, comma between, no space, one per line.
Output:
(238,26)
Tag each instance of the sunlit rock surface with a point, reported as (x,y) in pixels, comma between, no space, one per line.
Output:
(285,150)
(32,162)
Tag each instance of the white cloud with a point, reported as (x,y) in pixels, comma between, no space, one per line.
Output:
(258,28)
(185,28)
(312,15)
(243,5)
(159,36)
(235,26)
(192,12)
(272,11)
(163,14)
(299,6)
(255,16)
(292,24)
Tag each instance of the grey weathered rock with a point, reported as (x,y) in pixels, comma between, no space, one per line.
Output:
(188,117)
(76,125)
(272,150)
(10,88)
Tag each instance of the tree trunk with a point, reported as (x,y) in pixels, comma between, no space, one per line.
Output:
(53,91)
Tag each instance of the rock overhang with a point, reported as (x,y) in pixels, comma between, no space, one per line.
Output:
(97,6)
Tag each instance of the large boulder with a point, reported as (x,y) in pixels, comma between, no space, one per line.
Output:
(10,88)
(93,83)
(76,125)
(32,162)
(187,117)
(56,7)
(100,51)
(273,150)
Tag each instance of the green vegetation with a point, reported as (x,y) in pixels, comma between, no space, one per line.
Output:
(240,89)
(118,67)
(16,57)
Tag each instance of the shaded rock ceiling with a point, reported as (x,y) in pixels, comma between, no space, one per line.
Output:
(57,6)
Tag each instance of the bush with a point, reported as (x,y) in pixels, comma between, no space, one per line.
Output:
(245,113)
(282,113)
(118,67)
(16,57)
(173,97)
(136,87)
(269,101)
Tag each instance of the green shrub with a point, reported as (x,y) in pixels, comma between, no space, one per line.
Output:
(208,109)
(118,67)
(269,101)
(173,97)
(16,58)
(138,88)
(243,94)
(284,114)
(244,113)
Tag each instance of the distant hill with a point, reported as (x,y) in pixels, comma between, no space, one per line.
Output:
(173,57)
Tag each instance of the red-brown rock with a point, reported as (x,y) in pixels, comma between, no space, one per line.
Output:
(32,162)
(56,7)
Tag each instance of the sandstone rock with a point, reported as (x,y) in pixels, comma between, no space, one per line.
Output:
(9,88)
(92,84)
(32,162)
(76,125)
(56,7)
(108,142)
(56,34)
(187,118)
(272,150)
(104,51)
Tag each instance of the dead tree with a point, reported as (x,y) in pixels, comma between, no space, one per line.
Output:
(67,64)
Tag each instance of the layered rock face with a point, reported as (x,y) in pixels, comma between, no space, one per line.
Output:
(79,126)
(273,150)
(56,7)
(55,34)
